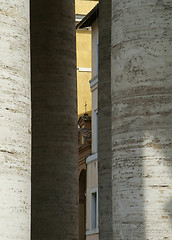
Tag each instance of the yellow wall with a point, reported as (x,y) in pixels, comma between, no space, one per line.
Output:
(84,6)
(83,41)
(84,95)
(83,52)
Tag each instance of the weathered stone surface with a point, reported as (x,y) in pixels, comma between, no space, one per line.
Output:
(54,119)
(142,119)
(104,123)
(15,146)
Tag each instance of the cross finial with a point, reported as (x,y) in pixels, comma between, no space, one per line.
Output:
(85,107)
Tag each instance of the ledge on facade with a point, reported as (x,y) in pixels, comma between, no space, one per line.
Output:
(92,231)
(78,18)
(83,146)
(93,81)
(89,18)
(83,69)
(92,158)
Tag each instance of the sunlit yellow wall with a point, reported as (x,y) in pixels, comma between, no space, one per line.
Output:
(83,51)
(83,42)
(84,6)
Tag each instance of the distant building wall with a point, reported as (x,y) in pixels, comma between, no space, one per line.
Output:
(83,52)
(94,86)
(92,215)
(92,187)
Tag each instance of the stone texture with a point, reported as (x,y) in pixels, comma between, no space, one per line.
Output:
(104,123)
(142,119)
(15,142)
(54,119)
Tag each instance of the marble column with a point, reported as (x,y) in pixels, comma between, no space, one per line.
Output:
(140,112)
(141,97)
(104,122)
(54,121)
(15,119)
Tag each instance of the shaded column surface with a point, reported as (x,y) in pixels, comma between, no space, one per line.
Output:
(142,119)
(54,121)
(104,122)
(15,107)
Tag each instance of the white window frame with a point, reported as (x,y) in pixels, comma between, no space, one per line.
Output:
(94,190)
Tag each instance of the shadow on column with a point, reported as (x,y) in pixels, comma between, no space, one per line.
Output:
(54,121)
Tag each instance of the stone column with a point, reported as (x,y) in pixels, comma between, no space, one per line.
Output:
(15,120)
(104,122)
(141,119)
(54,121)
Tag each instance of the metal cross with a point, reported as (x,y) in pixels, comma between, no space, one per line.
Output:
(85,107)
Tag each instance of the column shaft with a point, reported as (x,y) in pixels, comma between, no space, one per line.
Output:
(104,122)
(141,119)
(54,121)
(15,108)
